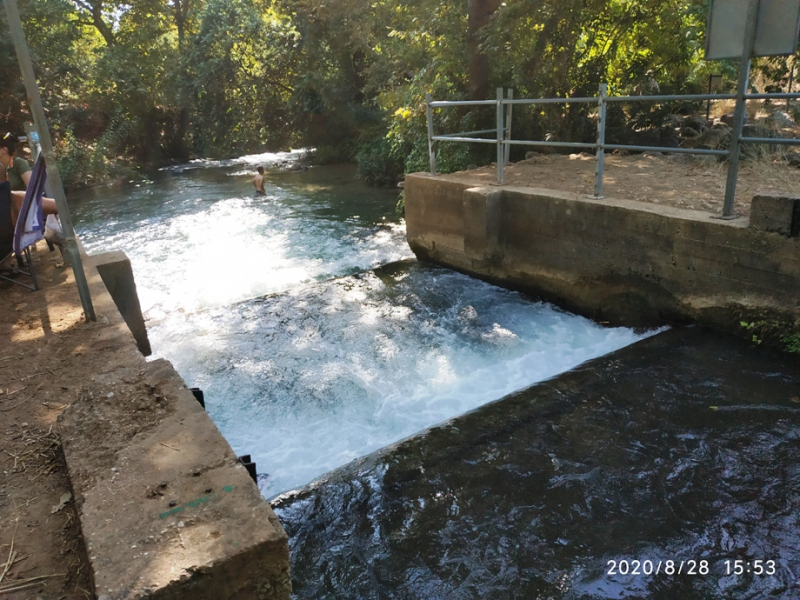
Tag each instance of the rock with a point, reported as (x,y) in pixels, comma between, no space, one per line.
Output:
(793,158)
(689,132)
(696,122)
(728,118)
(714,138)
(780,119)
(754,130)
(531,154)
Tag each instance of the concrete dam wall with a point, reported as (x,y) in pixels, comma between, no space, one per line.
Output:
(625,262)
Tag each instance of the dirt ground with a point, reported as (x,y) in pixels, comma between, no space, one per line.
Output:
(45,353)
(693,182)
(48,353)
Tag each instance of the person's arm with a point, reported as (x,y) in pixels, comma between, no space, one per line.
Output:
(22,168)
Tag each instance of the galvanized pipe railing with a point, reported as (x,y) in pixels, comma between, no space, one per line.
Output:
(504,141)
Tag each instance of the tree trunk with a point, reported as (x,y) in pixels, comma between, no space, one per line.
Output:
(181,14)
(95,9)
(479,14)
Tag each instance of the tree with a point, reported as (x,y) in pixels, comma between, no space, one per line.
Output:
(480,13)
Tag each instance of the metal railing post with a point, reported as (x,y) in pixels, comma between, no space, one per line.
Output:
(500,151)
(509,107)
(738,114)
(601,141)
(71,251)
(431,154)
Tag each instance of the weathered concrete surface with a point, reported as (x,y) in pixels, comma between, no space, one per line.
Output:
(115,269)
(614,260)
(166,510)
(778,214)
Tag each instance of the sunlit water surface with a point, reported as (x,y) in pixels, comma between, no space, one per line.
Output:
(308,359)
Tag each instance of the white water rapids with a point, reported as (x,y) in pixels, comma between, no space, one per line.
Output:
(306,360)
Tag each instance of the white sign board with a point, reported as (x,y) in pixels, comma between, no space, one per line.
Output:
(776,28)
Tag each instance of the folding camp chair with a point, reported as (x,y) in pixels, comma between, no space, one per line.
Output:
(28,229)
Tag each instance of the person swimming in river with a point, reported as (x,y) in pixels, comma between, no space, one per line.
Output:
(258,182)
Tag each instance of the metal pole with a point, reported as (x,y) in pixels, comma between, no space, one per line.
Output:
(509,108)
(35,102)
(431,155)
(791,77)
(738,115)
(601,141)
(708,102)
(500,152)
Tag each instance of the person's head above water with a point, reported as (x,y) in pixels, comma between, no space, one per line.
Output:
(260,170)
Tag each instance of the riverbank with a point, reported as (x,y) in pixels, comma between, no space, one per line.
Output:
(48,351)
(625,262)
(103,448)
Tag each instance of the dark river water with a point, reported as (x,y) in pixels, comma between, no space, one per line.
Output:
(319,340)
(677,457)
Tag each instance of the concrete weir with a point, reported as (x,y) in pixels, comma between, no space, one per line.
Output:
(625,262)
(166,510)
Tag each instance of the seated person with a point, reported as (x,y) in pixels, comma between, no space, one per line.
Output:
(17,169)
(18,173)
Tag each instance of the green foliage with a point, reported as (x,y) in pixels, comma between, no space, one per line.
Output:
(378,165)
(400,207)
(774,332)
(81,164)
(792,343)
(152,81)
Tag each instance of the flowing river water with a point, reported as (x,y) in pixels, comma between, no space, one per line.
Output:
(318,339)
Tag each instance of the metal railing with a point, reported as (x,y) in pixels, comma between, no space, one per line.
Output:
(503,140)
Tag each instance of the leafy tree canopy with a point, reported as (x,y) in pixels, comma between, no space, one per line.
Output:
(145,82)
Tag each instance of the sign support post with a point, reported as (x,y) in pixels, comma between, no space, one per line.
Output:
(40,120)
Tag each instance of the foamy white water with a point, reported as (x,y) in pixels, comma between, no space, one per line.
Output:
(308,380)
(199,238)
(323,370)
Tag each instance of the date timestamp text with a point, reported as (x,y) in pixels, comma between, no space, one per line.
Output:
(688,567)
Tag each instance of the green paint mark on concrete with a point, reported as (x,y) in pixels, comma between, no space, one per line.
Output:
(192,503)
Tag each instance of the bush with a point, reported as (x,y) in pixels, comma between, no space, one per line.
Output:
(82,164)
(330,155)
(378,164)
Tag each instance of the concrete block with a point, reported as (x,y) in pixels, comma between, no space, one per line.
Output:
(622,261)
(481,222)
(777,214)
(167,511)
(117,274)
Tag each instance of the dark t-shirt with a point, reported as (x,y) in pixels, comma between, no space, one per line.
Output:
(15,170)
